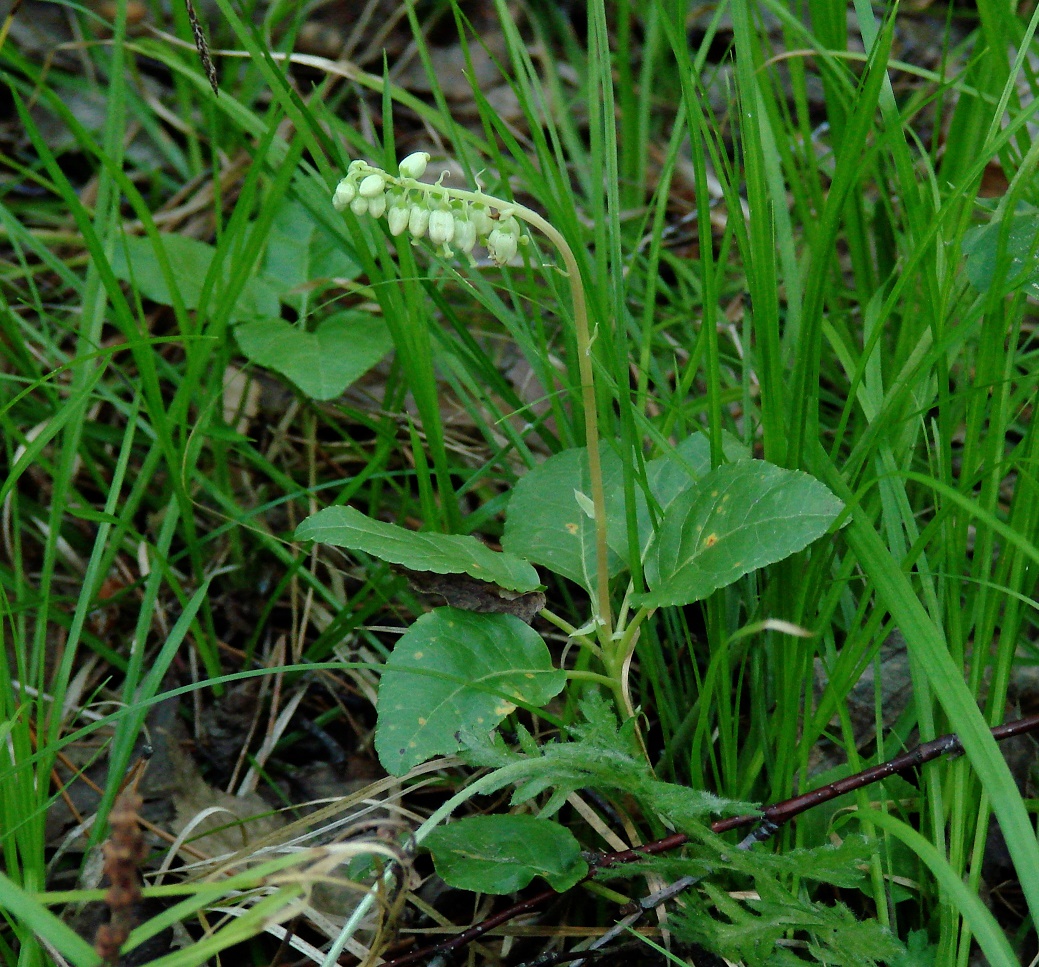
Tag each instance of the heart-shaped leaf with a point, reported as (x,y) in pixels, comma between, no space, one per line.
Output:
(456,671)
(502,854)
(440,553)
(301,252)
(736,519)
(321,363)
(549,521)
(136,260)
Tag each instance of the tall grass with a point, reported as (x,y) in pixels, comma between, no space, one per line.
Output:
(821,314)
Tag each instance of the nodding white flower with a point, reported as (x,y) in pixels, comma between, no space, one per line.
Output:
(377,206)
(481,220)
(397,217)
(465,234)
(441,227)
(372,185)
(501,246)
(445,216)
(414,164)
(345,193)
(418,220)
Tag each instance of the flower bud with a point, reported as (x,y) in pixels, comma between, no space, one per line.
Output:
(397,218)
(359,206)
(372,185)
(465,234)
(377,206)
(418,220)
(509,225)
(481,221)
(414,164)
(441,227)
(501,246)
(345,193)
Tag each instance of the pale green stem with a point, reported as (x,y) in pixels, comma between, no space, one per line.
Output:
(584,362)
(574,634)
(626,645)
(576,675)
(591,413)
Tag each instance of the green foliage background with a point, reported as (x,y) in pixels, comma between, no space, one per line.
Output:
(850,305)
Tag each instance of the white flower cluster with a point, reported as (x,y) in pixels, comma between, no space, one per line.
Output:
(443,215)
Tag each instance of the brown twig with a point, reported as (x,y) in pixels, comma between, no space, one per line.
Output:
(769,820)
(946,745)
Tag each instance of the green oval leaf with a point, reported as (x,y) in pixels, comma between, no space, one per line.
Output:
(667,477)
(321,363)
(439,553)
(502,854)
(137,261)
(456,671)
(1019,268)
(738,518)
(548,520)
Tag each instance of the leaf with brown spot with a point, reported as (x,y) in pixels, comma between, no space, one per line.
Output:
(734,520)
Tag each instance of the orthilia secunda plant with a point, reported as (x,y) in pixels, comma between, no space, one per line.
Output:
(458,219)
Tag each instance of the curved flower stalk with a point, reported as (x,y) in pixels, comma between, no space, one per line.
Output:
(463,219)
(445,216)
